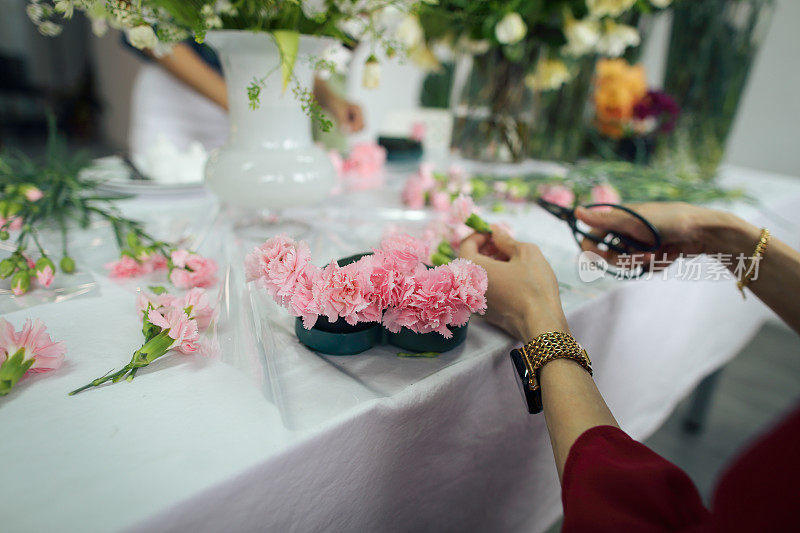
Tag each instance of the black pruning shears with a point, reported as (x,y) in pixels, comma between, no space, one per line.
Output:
(618,242)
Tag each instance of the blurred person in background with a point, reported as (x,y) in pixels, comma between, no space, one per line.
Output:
(609,481)
(182,96)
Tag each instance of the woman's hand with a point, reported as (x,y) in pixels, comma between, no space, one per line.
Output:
(348,115)
(523,294)
(684,228)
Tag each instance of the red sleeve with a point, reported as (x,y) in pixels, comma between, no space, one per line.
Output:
(613,483)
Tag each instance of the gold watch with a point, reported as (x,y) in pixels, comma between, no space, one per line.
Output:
(530,358)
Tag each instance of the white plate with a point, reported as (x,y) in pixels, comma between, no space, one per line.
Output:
(117,177)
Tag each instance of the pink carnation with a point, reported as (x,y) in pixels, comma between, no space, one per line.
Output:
(182,329)
(605,194)
(403,253)
(557,194)
(277,265)
(342,292)
(33,194)
(461,209)
(337,162)
(440,200)
(35,341)
(14,225)
(428,309)
(45,276)
(414,193)
(366,159)
(192,270)
(201,308)
(303,302)
(146,300)
(125,267)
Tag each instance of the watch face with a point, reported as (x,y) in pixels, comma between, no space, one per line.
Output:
(533,399)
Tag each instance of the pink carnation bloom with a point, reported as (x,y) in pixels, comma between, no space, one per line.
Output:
(303,302)
(182,329)
(557,194)
(201,308)
(38,345)
(605,194)
(425,176)
(192,270)
(152,262)
(428,309)
(468,294)
(276,266)
(33,194)
(45,276)
(366,159)
(418,131)
(413,194)
(146,300)
(337,162)
(403,253)
(125,267)
(15,225)
(343,292)
(440,200)
(461,209)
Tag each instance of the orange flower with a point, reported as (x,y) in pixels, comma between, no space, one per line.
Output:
(618,86)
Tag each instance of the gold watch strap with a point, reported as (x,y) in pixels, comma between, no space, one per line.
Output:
(548,347)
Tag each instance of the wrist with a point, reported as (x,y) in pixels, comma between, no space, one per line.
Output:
(724,233)
(536,322)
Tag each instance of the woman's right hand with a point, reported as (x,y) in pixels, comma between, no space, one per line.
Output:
(523,294)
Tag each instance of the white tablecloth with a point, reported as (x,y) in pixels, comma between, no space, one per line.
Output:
(369,443)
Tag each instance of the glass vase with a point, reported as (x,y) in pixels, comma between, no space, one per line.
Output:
(491,107)
(712,47)
(558,130)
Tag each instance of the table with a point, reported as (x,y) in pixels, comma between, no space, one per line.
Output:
(368,443)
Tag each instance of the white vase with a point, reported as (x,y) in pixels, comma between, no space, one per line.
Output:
(269,160)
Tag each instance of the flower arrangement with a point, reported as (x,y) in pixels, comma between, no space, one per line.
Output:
(392,286)
(157,24)
(169,323)
(55,193)
(362,169)
(624,107)
(29,350)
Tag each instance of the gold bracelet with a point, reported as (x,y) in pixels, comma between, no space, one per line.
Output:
(761,247)
(548,347)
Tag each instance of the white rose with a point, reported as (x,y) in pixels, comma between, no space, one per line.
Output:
(616,38)
(372,74)
(582,35)
(142,37)
(550,74)
(409,32)
(661,4)
(612,8)
(511,29)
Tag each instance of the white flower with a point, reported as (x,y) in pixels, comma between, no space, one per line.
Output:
(210,18)
(409,32)
(612,8)
(550,74)
(313,9)
(616,38)
(372,74)
(471,46)
(142,37)
(99,26)
(35,12)
(511,29)
(65,6)
(582,35)
(336,57)
(50,29)
(661,4)
(224,7)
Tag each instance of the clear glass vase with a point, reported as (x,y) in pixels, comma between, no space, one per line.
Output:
(558,130)
(491,107)
(712,47)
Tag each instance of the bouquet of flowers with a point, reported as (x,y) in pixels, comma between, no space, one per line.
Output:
(169,323)
(392,286)
(56,194)
(627,112)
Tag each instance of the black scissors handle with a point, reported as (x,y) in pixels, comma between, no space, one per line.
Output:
(631,243)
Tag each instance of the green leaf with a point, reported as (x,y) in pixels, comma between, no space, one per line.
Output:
(288,43)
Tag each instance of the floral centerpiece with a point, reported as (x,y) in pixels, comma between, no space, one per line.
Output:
(512,53)
(390,287)
(629,117)
(270,50)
